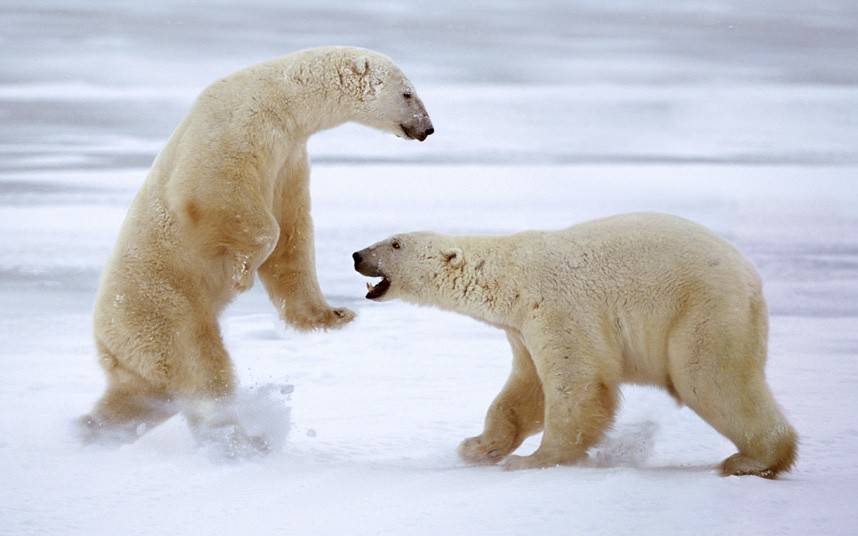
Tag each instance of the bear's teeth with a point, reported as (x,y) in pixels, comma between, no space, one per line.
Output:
(371,286)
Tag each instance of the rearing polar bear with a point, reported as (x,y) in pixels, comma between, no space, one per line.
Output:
(227,196)
(640,298)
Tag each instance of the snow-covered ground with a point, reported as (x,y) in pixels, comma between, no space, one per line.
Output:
(740,115)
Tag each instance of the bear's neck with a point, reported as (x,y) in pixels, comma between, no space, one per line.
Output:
(313,97)
(487,286)
(289,99)
(307,115)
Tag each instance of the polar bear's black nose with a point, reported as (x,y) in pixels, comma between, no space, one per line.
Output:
(430,130)
(356,256)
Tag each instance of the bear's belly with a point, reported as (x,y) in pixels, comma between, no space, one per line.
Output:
(644,352)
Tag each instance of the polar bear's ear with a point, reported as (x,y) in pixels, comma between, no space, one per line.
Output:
(454,257)
(360,65)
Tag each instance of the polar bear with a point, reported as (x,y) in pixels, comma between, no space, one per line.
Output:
(640,298)
(228,196)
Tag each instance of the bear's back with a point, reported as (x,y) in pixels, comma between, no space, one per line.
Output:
(633,252)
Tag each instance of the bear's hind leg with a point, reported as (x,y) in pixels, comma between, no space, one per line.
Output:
(731,394)
(746,413)
(205,387)
(515,413)
(130,406)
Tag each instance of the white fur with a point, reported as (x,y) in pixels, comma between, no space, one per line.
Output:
(642,298)
(227,197)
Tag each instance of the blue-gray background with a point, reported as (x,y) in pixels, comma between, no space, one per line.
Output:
(94,84)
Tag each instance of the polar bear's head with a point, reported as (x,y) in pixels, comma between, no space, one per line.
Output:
(380,96)
(411,266)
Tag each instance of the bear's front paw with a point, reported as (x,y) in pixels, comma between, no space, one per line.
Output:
(323,318)
(479,451)
(534,461)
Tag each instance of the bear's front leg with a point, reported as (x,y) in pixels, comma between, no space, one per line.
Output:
(289,274)
(247,240)
(579,407)
(245,261)
(231,223)
(515,413)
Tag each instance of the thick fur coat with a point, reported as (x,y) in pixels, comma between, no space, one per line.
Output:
(640,298)
(229,197)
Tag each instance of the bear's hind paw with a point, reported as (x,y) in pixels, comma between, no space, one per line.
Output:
(740,465)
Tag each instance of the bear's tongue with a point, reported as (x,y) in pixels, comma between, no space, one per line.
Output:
(377,290)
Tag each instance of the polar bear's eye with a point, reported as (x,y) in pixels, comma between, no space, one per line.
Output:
(407,95)
(395,244)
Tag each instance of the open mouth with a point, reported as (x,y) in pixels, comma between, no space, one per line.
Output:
(377,290)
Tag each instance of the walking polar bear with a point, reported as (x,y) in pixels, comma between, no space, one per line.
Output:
(639,298)
(227,196)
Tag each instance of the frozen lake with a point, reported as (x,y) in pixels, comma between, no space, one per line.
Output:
(740,115)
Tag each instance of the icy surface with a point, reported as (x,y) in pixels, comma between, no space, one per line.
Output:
(379,407)
(740,115)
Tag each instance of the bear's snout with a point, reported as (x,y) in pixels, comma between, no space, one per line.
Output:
(364,266)
(417,132)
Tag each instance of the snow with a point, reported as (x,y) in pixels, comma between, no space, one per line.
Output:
(705,110)
(378,408)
